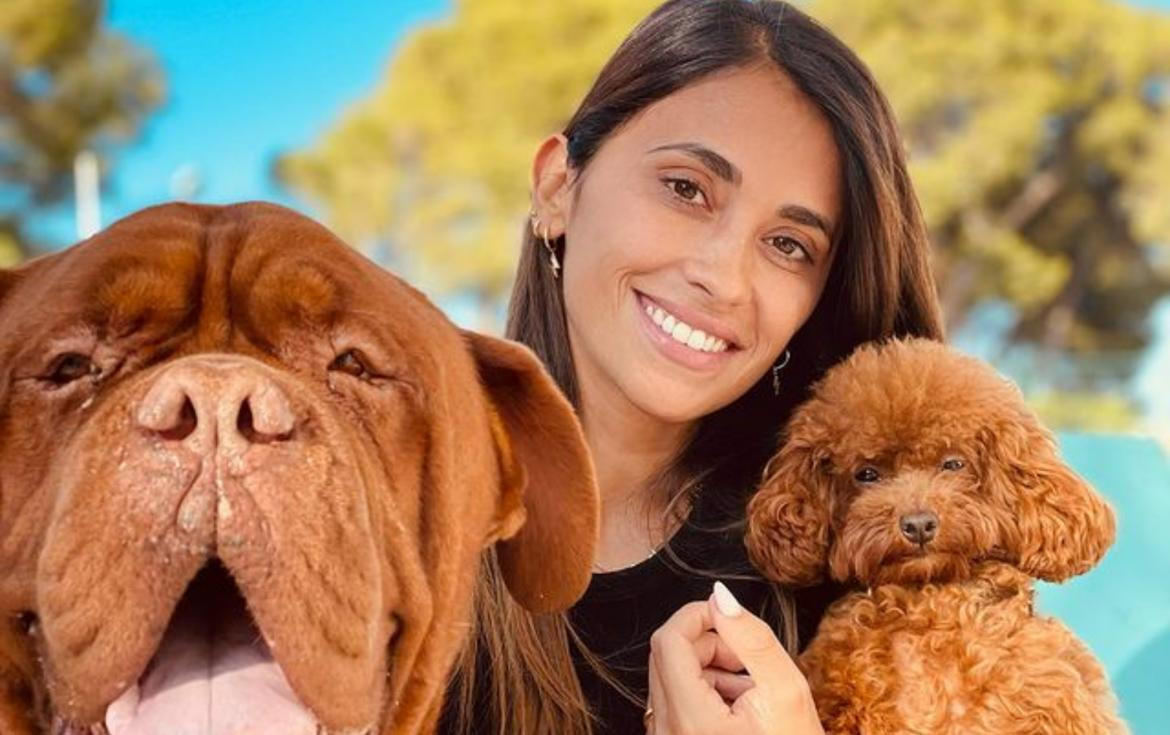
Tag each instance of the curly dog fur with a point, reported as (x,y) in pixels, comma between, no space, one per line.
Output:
(919,474)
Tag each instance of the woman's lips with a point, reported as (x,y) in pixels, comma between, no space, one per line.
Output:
(710,354)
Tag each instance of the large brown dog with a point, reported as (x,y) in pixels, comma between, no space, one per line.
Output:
(246,478)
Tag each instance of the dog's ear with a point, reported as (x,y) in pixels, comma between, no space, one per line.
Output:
(7,281)
(788,518)
(1063,526)
(549,517)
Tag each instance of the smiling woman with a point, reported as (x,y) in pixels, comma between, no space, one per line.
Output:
(726,215)
(701,231)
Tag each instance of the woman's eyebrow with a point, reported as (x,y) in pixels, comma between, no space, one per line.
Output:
(719,165)
(805,216)
(727,171)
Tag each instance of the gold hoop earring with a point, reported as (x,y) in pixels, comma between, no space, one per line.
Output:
(552,254)
(542,233)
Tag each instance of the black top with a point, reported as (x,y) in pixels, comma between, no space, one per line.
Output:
(621,609)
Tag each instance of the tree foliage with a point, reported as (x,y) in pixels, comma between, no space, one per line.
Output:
(435,162)
(66,85)
(1039,135)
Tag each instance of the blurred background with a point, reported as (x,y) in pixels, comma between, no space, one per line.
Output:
(1039,134)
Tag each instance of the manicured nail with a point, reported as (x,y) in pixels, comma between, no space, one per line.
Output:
(726,602)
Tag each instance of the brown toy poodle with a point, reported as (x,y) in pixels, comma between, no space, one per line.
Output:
(919,476)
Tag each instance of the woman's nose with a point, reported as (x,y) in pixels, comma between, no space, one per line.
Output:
(721,266)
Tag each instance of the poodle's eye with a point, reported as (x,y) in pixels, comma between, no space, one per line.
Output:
(953,464)
(867,475)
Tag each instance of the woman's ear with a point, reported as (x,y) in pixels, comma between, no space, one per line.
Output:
(1064,526)
(551,180)
(788,517)
(549,515)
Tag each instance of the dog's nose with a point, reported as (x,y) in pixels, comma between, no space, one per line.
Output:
(227,403)
(919,528)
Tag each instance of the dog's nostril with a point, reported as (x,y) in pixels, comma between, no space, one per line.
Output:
(183,425)
(28,622)
(246,424)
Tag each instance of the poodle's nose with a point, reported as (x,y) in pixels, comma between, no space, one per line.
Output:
(919,528)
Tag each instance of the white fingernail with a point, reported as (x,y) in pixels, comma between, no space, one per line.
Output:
(726,602)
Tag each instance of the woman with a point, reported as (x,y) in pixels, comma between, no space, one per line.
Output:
(727,214)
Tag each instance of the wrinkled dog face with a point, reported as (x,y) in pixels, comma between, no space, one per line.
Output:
(913,463)
(236,456)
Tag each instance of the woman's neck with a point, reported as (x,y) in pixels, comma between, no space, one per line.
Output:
(629,448)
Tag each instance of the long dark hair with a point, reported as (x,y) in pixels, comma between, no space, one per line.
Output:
(880,285)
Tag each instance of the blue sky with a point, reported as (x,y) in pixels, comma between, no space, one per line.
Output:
(250,79)
(246,81)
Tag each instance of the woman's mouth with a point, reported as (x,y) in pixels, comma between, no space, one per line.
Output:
(679,340)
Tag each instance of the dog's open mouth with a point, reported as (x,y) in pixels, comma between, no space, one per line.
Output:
(213,673)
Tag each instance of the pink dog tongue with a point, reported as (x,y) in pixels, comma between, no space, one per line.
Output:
(211,676)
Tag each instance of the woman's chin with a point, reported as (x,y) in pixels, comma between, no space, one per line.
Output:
(674,401)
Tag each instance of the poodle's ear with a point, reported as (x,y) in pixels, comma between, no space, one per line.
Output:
(1063,526)
(788,518)
(549,515)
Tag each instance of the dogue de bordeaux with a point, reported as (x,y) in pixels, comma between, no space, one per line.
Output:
(246,479)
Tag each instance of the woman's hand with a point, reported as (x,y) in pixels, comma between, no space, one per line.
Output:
(694,684)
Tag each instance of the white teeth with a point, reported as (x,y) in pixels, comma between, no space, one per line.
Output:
(684,333)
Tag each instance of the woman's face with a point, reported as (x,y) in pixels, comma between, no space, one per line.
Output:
(698,240)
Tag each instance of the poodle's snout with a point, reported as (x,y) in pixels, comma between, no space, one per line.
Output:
(919,528)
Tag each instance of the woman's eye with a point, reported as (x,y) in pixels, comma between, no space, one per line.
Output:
(867,475)
(687,190)
(789,248)
(350,362)
(953,464)
(70,367)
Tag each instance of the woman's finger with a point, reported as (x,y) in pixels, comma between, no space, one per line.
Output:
(781,693)
(753,643)
(656,704)
(680,694)
(730,686)
(713,652)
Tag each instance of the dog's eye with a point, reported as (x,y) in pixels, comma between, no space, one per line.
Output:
(867,475)
(71,366)
(953,464)
(350,362)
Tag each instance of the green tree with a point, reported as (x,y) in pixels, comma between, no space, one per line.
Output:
(1039,134)
(434,163)
(66,85)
